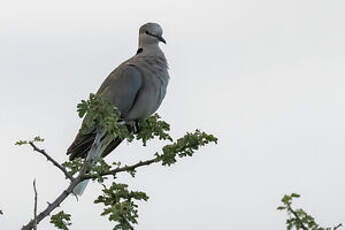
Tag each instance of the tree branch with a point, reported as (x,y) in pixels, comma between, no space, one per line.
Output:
(120,169)
(52,206)
(49,158)
(338,226)
(75,182)
(35,205)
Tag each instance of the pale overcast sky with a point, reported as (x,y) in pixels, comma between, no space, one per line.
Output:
(266,77)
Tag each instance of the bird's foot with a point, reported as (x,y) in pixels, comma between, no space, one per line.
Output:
(133,126)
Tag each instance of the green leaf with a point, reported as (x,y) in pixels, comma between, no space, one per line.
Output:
(61,220)
(82,108)
(295,195)
(286,199)
(21,142)
(38,139)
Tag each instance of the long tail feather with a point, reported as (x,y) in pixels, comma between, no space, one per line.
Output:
(97,148)
(80,188)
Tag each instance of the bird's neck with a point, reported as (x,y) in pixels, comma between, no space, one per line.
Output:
(150,49)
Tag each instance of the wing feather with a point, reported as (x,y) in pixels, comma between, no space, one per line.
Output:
(120,88)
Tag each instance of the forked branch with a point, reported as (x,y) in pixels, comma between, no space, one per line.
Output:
(49,158)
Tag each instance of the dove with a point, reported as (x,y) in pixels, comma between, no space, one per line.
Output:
(136,87)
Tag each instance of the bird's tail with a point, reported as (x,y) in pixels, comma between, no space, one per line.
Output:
(80,188)
(99,145)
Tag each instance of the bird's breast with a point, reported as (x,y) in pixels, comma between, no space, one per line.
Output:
(153,90)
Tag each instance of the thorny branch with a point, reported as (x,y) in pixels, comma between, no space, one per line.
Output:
(51,206)
(49,158)
(74,182)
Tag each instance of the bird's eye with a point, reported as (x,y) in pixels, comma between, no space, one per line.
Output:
(147,32)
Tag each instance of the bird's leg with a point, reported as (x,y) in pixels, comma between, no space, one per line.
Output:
(132,126)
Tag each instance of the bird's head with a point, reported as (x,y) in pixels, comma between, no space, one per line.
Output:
(150,34)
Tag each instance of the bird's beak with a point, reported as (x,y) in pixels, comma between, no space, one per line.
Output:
(160,38)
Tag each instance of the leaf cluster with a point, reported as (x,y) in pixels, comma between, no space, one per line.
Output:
(61,220)
(74,166)
(98,169)
(120,206)
(153,127)
(101,114)
(184,146)
(25,142)
(298,218)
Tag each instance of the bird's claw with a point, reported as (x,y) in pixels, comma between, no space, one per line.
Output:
(132,126)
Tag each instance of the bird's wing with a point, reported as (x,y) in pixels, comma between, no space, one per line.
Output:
(121,89)
(112,146)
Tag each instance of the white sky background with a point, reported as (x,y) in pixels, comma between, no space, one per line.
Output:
(266,77)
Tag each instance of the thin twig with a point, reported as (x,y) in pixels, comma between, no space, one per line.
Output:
(338,226)
(35,205)
(121,169)
(49,158)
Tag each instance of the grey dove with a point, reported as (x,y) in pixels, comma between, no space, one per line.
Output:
(136,87)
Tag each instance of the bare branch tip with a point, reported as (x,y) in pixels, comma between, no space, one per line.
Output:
(35,205)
